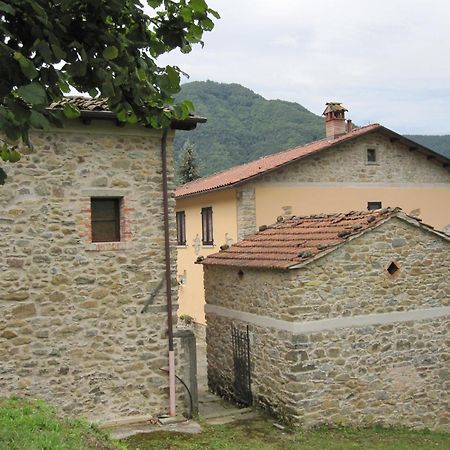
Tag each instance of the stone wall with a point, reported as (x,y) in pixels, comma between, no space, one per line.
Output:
(342,340)
(347,163)
(72,329)
(246,211)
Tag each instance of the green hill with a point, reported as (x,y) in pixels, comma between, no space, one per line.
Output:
(243,126)
(440,144)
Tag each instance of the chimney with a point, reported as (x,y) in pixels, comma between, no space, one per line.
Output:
(335,119)
(349,125)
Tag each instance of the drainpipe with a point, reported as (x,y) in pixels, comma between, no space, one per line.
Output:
(172,401)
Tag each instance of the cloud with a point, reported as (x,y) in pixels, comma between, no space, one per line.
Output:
(387,61)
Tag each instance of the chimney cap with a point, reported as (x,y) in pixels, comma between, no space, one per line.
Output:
(334,107)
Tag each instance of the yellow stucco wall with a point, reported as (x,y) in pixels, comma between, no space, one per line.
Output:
(190,292)
(430,202)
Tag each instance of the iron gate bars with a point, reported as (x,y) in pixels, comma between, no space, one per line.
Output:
(241,358)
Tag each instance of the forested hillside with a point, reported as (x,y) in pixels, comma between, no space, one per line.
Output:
(440,144)
(243,126)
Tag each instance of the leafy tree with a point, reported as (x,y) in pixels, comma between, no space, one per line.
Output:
(107,48)
(188,166)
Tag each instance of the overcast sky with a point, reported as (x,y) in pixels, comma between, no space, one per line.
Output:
(387,61)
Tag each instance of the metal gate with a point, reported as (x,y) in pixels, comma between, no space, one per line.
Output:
(241,358)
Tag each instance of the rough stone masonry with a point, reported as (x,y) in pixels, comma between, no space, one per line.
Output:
(341,340)
(71,327)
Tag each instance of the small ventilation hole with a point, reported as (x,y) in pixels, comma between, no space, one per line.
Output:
(393,268)
(241,274)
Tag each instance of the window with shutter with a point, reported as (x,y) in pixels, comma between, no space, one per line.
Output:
(207,226)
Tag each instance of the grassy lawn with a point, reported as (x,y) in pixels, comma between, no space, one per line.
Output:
(33,425)
(262,435)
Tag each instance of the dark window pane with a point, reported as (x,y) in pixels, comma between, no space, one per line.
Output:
(207,226)
(105,217)
(371,155)
(373,205)
(181,228)
(103,209)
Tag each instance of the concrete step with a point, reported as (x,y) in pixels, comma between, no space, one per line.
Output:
(228,419)
(215,411)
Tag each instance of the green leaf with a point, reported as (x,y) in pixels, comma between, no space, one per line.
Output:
(9,154)
(4,153)
(189,105)
(214,13)
(173,76)
(108,89)
(14,156)
(110,52)
(33,93)
(71,111)
(141,74)
(8,9)
(198,5)
(38,120)
(207,24)
(58,52)
(122,116)
(26,65)
(64,86)
(132,118)
(186,14)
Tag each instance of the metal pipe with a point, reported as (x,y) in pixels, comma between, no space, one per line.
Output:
(191,401)
(172,396)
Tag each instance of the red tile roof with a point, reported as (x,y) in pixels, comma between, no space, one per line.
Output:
(82,103)
(252,169)
(259,166)
(296,240)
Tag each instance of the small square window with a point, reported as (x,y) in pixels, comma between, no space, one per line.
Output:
(371,206)
(371,155)
(207,226)
(181,228)
(393,268)
(105,219)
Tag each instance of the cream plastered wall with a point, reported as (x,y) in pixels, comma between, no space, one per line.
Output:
(429,202)
(340,179)
(190,275)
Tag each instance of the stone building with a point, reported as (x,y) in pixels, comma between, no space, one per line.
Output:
(351,169)
(347,318)
(83,321)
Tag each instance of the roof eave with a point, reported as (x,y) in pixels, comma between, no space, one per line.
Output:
(413,145)
(265,172)
(187,124)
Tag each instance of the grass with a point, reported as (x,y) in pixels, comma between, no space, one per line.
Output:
(34,425)
(262,435)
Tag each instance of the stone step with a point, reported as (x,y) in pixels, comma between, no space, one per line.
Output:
(220,411)
(228,419)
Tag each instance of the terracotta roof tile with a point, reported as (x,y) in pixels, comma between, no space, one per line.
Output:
(259,166)
(83,103)
(296,240)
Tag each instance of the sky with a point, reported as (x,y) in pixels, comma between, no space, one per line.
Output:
(387,61)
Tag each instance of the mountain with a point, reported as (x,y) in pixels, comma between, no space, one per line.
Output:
(243,126)
(440,144)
